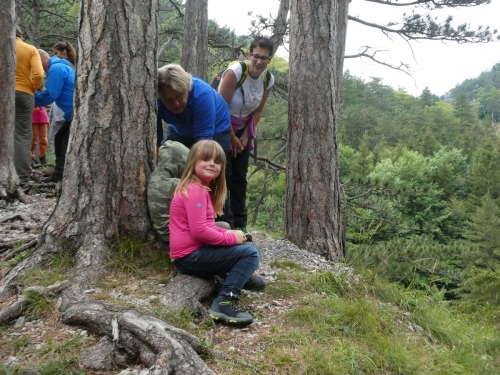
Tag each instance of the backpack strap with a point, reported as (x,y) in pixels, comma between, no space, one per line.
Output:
(267,79)
(244,73)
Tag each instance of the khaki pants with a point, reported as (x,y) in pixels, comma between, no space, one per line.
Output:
(22,134)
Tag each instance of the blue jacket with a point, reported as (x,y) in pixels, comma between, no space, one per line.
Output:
(206,114)
(59,87)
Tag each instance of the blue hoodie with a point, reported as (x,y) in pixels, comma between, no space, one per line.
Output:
(206,114)
(59,87)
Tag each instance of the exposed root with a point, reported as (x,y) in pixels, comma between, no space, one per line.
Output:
(19,250)
(19,307)
(11,243)
(141,338)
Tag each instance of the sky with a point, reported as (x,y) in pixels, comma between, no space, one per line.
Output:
(436,65)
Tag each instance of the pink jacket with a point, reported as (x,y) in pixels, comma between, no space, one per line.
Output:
(192,223)
(40,116)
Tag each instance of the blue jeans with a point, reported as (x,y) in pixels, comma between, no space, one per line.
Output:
(238,261)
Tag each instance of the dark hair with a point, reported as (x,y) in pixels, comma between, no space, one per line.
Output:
(70,50)
(19,32)
(262,42)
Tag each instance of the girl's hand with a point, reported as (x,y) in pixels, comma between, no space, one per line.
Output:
(240,236)
(243,141)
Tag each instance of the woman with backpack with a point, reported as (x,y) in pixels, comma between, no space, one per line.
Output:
(246,100)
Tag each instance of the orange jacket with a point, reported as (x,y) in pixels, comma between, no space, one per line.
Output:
(29,70)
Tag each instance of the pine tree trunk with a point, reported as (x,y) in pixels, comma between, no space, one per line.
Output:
(111,146)
(317,45)
(9,181)
(195,40)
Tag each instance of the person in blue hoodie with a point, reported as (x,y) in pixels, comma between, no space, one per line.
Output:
(192,108)
(194,111)
(59,88)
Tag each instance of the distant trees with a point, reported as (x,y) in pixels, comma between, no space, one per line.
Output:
(45,22)
(489,103)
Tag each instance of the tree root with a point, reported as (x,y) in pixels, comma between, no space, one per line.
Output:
(18,308)
(140,337)
(185,291)
(19,250)
(15,216)
(10,243)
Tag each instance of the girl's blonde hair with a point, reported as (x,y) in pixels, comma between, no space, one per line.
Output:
(204,150)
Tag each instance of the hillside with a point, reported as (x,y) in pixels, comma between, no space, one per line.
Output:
(313,318)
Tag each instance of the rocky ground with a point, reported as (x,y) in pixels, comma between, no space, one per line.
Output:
(21,223)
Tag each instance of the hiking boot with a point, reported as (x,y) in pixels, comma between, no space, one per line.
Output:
(53,178)
(225,309)
(244,230)
(255,283)
(43,160)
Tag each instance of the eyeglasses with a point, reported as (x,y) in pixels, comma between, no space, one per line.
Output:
(261,58)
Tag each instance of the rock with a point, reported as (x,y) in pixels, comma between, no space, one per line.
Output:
(19,322)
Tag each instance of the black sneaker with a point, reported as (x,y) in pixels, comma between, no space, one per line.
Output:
(43,160)
(225,309)
(255,283)
(53,178)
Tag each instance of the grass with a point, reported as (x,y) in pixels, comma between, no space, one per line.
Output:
(56,269)
(372,326)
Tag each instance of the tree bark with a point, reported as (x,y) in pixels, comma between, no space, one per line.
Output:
(111,148)
(195,40)
(9,181)
(317,45)
(281,24)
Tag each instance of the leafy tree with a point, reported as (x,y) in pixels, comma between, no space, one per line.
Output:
(485,171)
(464,112)
(418,198)
(45,22)
(427,99)
(484,229)
(489,103)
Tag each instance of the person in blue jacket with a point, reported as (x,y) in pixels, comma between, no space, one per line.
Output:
(192,108)
(194,111)
(59,88)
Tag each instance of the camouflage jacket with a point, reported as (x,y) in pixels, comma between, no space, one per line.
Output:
(162,183)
